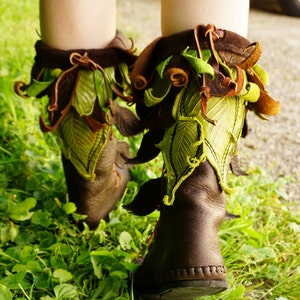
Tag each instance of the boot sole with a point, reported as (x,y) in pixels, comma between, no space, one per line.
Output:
(187,290)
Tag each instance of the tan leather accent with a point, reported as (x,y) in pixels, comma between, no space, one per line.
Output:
(177,76)
(265,105)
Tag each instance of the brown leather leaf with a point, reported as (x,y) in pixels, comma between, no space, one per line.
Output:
(60,94)
(148,149)
(148,198)
(125,120)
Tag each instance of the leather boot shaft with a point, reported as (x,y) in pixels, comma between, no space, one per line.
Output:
(186,245)
(199,210)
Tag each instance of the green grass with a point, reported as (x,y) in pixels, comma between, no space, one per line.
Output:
(44,256)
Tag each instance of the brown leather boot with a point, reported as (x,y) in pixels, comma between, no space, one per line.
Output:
(84,87)
(192,91)
(184,261)
(98,197)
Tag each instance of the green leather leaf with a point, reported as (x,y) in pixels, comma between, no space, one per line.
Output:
(251,92)
(199,65)
(187,102)
(124,82)
(85,94)
(182,145)
(102,88)
(182,151)
(192,139)
(123,69)
(90,86)
(50,73)
(206,53)
(220,139)
(36,87)
(80,144)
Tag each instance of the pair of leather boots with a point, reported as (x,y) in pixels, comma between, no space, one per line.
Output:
(191,91)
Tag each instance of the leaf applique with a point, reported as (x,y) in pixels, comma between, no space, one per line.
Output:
(85,94)
(147,199)
(201,66)
(182,149)
(102,86)
(148,148)
(161,67)
(125,120)
(37,87)
(80,144)
(221,138)
(60,99)
(192,139)
(181,144)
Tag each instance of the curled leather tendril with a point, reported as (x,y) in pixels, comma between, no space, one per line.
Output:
(140,82)
(132,48)
(205,95)
(178,76)
(20,88)
(253,58)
